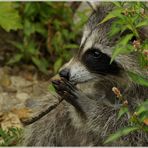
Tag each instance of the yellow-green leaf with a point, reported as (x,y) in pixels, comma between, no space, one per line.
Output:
(9,17)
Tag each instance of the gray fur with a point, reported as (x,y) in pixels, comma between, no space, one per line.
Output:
(65,126)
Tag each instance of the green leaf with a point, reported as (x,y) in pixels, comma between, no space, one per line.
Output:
(18,45)
(57,64)
(9,17)
(70,46)
(31,48)
(143,23)
(39,28)
(111,15)
(51,88)
(118,4)
(138,79)
(122,47)
(142,107)
(114,30)
(124,40)
(122,132)
(145,128)
(40,64)
(122,111)
(15,59)
(29,27)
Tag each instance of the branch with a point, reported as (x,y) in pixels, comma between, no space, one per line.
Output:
(42,114)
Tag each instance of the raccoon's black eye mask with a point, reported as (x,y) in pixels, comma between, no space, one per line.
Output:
(98,62)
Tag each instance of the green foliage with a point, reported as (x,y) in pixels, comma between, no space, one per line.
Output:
(10,137)
(51,88)
(138,79)
(142,110)
(47,32)
(9,17)
(122,111)
(136,121)
(122,132)
(128,17)
(123,47)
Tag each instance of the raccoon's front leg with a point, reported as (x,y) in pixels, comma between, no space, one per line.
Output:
(74,96)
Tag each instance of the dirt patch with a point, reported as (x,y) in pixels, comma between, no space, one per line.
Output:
(23,95)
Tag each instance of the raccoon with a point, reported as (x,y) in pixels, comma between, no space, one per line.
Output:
(88,113)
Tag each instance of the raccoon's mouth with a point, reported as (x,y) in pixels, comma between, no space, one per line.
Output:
(74,82)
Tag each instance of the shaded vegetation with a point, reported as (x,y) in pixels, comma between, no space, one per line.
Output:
(130,17)
(45,30)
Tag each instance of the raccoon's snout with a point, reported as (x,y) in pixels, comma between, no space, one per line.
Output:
(65,73)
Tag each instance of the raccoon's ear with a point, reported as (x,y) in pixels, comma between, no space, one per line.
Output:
(94,5)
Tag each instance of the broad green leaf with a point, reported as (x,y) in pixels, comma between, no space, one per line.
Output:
(114,30)
(143,23)
(121,50)
(111,15)
(15,59)
(124,40)
(122,132)
(9,17)
(138,79)
(122,47)
(122,111)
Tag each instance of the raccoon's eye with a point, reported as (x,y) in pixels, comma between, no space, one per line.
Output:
(95,53)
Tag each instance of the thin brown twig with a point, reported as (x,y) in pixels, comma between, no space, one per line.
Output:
(42,114)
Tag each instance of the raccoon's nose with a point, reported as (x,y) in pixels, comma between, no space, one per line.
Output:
(65,73)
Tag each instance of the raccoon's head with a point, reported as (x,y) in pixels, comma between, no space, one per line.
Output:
(92,62)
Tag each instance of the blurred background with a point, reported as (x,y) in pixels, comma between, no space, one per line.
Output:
(36,39)
(39,36)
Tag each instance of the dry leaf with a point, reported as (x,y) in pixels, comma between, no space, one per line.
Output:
(10,120)
(23,113)
(146,121)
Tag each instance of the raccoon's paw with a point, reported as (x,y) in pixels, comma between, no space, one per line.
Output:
(64,88)
(68,92)
(72,95)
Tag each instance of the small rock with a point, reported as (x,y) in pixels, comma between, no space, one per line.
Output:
(5,80)
(22,96)
(19,82)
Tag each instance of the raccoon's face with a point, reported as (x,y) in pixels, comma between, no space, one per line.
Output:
(92,61)
(90,65)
